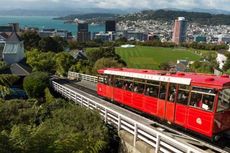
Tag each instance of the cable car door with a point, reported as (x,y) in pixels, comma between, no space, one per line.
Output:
(161,104)
(170,102)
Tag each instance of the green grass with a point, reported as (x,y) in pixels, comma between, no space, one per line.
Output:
(151,57)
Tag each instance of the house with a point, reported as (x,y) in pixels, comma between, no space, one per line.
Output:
(221,59)
(78,54)
(13,51)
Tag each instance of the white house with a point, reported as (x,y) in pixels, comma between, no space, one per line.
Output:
(13,51)
(221,59)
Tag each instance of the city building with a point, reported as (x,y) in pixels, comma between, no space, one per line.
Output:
(46,33)
(109,36)
(224,38)
(83,33)
(13,51)
(55,32)
(179,30)
(135,35)
(199,38)
(153,37)
(7,28)
(83,36)
(110,26)
(83,27)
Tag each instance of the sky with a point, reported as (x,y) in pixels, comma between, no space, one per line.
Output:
(118,4)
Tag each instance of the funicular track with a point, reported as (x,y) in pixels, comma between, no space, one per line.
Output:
(172,132)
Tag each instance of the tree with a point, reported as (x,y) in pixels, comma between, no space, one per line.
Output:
(106,52)
(35,84)
(82,66)
(73,44)
(50,44)
(226,66)
(31,39)
(211,58)
(106,63)
(6,80)
(40,61)
(201,67)
(48,96)
(228,72)
(164,66)
(62,43)
(63,62)
(79,129)
(3,66)
(5,145)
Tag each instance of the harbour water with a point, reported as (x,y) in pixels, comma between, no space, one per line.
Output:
(46,22)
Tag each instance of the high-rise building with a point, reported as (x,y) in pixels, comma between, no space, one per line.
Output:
(83,33)
(179,30)
(110,26)
(83,27)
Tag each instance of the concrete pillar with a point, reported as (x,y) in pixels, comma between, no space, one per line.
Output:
(126,144)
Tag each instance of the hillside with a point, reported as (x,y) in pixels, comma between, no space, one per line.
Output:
(170,15)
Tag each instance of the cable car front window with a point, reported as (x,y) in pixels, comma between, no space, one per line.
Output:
(101,79)
(202,98)
(224,100)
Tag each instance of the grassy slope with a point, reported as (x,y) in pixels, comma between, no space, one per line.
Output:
(151,57)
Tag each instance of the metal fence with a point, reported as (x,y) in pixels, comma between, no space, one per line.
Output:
(159,141)
(79,76)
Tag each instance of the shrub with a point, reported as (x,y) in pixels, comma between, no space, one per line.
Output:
(35,84)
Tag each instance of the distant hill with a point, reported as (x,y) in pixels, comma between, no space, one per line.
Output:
(88,16)
(60,12)
(171,15)
(212,11)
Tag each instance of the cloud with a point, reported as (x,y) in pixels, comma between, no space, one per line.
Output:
(146,4)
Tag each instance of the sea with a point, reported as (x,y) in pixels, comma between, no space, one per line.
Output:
(47,22)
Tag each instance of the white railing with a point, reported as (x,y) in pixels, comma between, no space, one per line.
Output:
(80,76)
(159,141)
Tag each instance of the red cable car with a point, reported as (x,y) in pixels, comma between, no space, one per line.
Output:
(198,102)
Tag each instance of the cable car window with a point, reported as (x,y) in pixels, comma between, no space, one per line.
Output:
(172,92)
(118,83)
(106,79)
(139,86)
(152,88)
(202,98)
(224,100)
(124,83)
(183,94)
(110,80)
(163,90)
(128,85)
(101,79)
